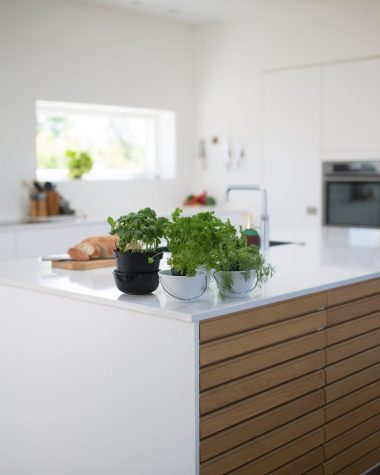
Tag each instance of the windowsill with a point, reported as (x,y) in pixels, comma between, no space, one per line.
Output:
(58,176)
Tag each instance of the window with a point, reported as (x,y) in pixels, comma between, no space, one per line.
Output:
(124,143)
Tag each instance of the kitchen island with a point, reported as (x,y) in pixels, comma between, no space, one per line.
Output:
(286,380)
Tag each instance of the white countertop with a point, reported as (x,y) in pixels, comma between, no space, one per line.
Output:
(329,257)
(48,222)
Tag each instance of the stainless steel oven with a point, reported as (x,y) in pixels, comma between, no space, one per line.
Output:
(351,193)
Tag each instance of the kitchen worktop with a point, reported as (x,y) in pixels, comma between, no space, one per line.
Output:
(318,259)
(47,222)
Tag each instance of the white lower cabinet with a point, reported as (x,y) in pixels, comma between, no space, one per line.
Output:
(7,245)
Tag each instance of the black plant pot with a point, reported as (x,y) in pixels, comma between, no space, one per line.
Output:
(137,262)
(136,284)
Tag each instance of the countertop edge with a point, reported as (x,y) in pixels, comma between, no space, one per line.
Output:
(283,297)
(186,316)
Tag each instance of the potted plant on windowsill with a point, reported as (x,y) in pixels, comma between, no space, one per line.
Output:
(241,268)
(194,243)
(138,254)
(78,163)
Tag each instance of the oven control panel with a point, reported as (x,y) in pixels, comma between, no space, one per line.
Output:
(351,168)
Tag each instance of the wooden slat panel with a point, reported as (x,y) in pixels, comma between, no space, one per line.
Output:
(219,373)
(249,341)
(353,292)
(305,464)
(363,464)
(226,417)
(264,380)
(262,445)
(350,347)
(352,365)
(243,321)
(230,438)
(349,311)
(352,454)
(316,471)
(354,435)
(351,419)
(350,402)
(352,328)
(283,455)
(351,383)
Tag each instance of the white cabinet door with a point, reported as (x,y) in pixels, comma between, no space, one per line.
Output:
(292,147)
(351,110)
(53,240)
(7,245)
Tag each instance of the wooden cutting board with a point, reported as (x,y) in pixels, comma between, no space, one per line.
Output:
(83,265)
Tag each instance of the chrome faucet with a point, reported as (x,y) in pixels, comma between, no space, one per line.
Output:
(264,218)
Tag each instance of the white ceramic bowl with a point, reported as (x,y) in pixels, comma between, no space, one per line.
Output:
(183,287)
(240,286)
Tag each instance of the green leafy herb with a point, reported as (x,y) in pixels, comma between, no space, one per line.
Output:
(139,232)
(238,256)
(196,240)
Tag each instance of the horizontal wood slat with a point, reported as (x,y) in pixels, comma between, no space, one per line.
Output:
(351,419)
(350,347)
(243,410)
(310,463)
(253,340)
(283,455)
(352,328)
(354,435)
(261,381)
(353,292)
(248,320)
(219,373)
(234,436)
(350,455)
(256,448)
(353,310)
(347,403)
(352,365)
(351,383)
(316,471)
(363,464)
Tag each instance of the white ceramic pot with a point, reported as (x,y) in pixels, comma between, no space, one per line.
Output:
(183,287)
(240,285)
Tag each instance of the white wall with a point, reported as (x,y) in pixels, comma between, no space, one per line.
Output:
(73,51)
(231,60)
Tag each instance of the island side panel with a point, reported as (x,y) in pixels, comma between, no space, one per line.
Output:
(293,386)
(261,383)
(88,389)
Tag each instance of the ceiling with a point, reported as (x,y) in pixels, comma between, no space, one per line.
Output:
(193,11)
